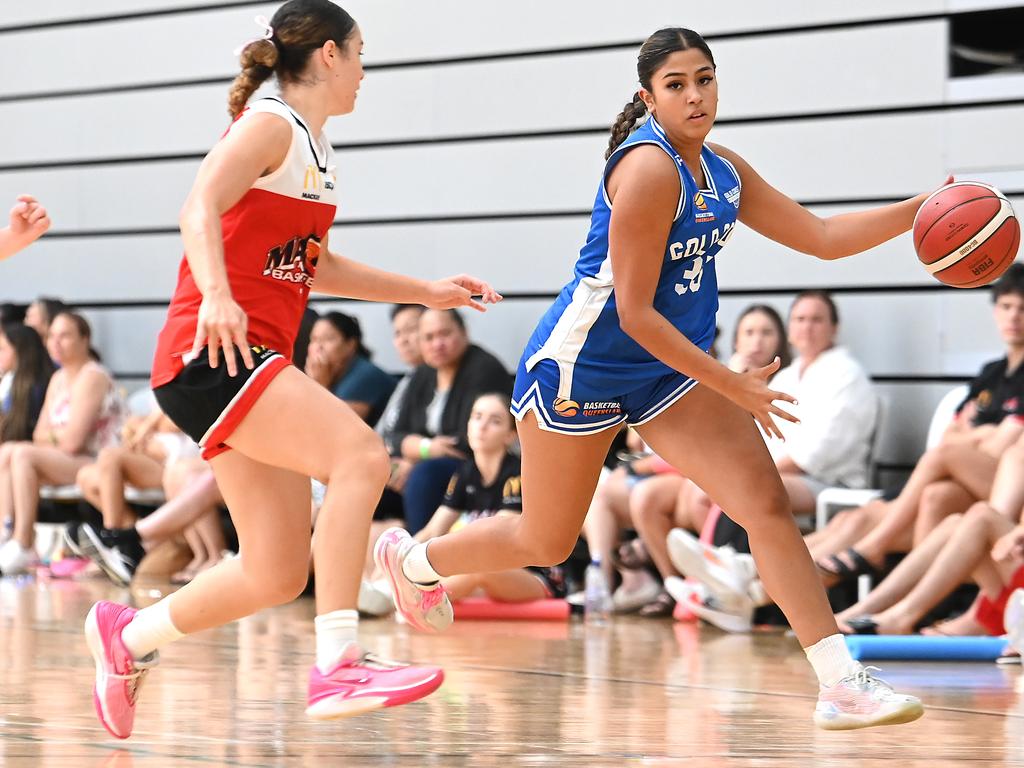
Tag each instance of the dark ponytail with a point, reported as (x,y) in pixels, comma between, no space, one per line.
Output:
(624,123)
(653,53)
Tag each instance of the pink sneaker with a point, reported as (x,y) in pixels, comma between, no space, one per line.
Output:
(861,701)
(428,610)
(118,675)
(363,682)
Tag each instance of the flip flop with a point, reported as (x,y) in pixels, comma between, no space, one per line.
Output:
(863,625)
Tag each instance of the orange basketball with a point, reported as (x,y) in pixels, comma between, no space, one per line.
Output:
(966,234)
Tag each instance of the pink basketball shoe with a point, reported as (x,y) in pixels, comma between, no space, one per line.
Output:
(362,682)
(118,675)
(428,610)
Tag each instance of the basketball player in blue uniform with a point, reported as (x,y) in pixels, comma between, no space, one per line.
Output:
(627,340)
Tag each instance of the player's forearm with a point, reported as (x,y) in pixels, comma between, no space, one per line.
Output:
(10,243)
(649,328)
(850,233)
(354,280)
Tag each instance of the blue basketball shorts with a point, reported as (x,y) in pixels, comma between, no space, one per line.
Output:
(591,406)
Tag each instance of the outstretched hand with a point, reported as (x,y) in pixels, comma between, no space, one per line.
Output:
(29,220)
(458,291)
(752,393)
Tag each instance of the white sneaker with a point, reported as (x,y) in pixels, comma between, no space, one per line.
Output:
(14,560)
(374,601)
(861,701)
(725,571)
(735,615)
(634,600)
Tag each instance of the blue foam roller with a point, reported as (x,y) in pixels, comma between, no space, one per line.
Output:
(930,647)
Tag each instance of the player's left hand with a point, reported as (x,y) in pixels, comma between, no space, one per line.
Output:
(29,219)
(458,291)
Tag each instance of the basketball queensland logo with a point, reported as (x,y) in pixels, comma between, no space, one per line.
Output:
(293,262)
(702,213)
(566,408)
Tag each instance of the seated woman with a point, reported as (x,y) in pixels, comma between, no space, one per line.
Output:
(80,415)
(486,485)
(338,361)
(29,368)
(668,500)
(41,313)
(430,431)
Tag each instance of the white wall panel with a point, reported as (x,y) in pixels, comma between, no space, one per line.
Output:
(16,14)
(394,31)
(586,90)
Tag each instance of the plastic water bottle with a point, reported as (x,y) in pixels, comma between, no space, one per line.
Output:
(596,597)
(1013,620)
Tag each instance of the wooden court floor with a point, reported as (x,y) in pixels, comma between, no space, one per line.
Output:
(635,692)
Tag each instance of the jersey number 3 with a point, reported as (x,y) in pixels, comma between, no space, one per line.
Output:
(693,275)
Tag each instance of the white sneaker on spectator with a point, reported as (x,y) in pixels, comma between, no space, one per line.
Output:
(727,572)
(15,560)
(624,601)
(373,600)
(734,615)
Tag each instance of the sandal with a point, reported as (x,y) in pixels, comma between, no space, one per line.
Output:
(863,625)
(631,556)
(841,571)
(660,607)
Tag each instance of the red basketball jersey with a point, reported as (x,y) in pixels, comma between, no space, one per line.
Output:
(271,245)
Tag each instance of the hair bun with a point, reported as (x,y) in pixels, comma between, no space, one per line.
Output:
(261,52)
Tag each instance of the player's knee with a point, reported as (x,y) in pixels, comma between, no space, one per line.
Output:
(550,550)
(368,460)
(286,584)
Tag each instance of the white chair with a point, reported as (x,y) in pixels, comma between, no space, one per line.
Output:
(833,500)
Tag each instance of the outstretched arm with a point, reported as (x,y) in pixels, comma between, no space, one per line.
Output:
(28,221)
(768,211)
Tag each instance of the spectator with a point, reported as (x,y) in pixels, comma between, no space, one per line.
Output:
(485,485)
(11,314)
(80,416)
(29,368)
(430,430)
(669,500)
(339,361)
(838,409)
(41,313)
(985,546)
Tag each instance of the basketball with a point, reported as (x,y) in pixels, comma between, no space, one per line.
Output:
(966,234)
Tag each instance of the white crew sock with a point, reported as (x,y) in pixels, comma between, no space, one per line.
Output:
(335,631)
(831,660)
(150,629)
(417,568)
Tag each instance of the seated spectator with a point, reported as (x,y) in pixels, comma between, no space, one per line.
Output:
(11,313)
(23,357)
(28,221)
(489,484)
(985,546)
(80,415)
(41,313)
(838,408)
(950,477)
(340,362)
(430,430)
(668,500)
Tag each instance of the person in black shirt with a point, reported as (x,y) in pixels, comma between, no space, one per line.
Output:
(485,485)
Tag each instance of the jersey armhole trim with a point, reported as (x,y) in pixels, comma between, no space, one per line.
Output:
(609,167)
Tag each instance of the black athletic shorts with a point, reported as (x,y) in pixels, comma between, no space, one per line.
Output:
(208,405)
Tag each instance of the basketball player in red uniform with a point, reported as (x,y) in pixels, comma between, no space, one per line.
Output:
(29,220)
(255,231)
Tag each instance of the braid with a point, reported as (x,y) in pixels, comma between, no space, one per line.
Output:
(258,60)
(624,123)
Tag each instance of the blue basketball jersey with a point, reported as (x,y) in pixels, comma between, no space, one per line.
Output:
(580,331)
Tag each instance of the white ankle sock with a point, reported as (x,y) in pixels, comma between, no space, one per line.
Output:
(150,629)
(334,632)
(831,660)
(417,568)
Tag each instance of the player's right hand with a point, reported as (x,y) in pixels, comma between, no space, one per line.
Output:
(751,392)
(222,326)
(28,219)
